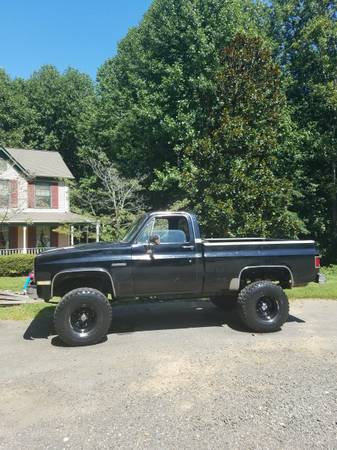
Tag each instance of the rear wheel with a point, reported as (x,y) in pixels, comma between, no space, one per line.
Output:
(263,306)
(83,317)
(225,302)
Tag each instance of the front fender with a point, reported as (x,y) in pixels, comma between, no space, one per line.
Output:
(84,276)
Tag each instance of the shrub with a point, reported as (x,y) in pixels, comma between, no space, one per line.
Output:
(14,265)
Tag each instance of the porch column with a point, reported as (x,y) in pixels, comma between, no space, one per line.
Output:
(97,230)
(72,235)
(24,250)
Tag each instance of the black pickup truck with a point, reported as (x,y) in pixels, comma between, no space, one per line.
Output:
(163,255)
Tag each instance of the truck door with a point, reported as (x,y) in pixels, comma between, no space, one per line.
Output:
(171,263)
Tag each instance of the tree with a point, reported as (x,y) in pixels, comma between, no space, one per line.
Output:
(306,33)
(50,111)
(108,196)
(15,112)
(232,176)
(64,107)
(154,97)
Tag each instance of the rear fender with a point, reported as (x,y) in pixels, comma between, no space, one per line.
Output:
(269,272)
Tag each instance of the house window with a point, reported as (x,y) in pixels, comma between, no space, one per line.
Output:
(4,193)
(42,195)
(43,236)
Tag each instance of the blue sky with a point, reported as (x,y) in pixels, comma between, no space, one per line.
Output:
(77,33)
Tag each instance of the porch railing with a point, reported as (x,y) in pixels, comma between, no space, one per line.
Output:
(21,251)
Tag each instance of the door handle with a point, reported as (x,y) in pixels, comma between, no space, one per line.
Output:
(188,247)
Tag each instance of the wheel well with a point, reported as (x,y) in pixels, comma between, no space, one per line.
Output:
(281,274)
(68,281)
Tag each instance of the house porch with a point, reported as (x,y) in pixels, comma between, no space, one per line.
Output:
(36,238)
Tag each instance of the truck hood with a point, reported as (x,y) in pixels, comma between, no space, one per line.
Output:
(80,250)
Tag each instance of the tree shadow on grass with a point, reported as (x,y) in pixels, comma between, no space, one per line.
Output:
(151,315)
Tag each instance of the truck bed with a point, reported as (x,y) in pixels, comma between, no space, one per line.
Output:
(226,259)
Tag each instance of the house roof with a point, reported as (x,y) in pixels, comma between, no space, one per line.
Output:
(46,218)
(39,163)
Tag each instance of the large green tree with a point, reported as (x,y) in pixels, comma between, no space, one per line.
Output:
(156,94)
(50,111)
(306,33)
(237,177)
(15,112)
(64,110)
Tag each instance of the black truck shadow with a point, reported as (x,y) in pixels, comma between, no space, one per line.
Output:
(41,327)
(150,315)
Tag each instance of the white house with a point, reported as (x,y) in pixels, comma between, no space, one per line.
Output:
(34,201)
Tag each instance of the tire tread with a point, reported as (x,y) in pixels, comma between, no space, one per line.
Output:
(64,304)
(245,297)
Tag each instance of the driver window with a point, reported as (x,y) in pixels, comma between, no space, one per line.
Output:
(145,234)
(161,226)
(171,230)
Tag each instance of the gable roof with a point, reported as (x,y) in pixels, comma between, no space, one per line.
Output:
(39,163)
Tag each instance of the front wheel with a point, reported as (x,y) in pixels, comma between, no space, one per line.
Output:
(263,306)
(83,317)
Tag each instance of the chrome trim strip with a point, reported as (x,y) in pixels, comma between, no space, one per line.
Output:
(118,264)
(219,244)
(43,283)
(163,257)
(235,282)
(91,269)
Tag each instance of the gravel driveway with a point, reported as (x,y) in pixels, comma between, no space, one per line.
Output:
(173,375)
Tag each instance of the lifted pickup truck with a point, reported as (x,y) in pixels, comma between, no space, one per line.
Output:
(163,255)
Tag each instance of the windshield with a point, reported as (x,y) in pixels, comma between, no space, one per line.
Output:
(133,230)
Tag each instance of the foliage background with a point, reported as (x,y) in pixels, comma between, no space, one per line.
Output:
(228,108)
(15,265)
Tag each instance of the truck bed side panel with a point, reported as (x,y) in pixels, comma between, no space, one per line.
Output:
(225,261)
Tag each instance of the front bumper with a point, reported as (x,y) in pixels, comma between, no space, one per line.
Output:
(44,291)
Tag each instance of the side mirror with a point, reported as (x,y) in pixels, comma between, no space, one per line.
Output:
(154,239)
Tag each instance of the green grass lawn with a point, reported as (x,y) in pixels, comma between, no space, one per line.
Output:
(21,312)
(27,312)
(14,284)
(314,290)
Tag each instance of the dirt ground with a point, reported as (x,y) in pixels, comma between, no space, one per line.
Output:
(173,375)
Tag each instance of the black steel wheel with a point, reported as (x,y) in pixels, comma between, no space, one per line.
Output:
(263,306)
(83,317)
(267,308)
(83,320)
